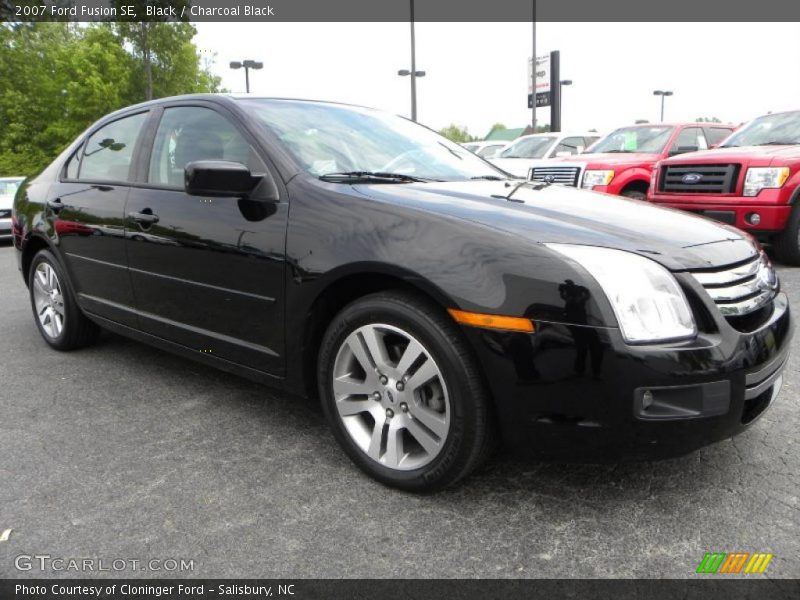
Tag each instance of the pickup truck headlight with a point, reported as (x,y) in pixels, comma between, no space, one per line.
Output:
(759,178)
(649,304)
(593,178)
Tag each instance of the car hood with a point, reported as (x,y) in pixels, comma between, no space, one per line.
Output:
(561,214)
(739,153)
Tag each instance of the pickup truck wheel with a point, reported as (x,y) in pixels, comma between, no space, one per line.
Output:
(635,194)
(402,394)
(57,315)
(787,243)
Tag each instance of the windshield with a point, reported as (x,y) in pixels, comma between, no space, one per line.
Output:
(783,128)
(634,139)
(8,187)
(531,147)
(331,139)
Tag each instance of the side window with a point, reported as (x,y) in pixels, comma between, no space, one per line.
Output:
(691,137)
(108,152)
(716,134)
(591,140)
(190,133)
(571,145)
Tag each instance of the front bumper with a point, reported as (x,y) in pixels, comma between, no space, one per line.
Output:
(575,392)
(734,210)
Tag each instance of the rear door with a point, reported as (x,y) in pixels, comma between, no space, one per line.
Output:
(208,272)
(87,213)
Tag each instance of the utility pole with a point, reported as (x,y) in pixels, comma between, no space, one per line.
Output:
(413,72)
(533,65)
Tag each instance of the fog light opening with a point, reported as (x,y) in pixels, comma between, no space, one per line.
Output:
(647,399)
(753,218)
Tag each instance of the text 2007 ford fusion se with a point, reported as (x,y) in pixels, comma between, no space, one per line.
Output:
(434,306)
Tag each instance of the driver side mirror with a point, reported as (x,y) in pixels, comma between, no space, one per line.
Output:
(683,150)
(220,178)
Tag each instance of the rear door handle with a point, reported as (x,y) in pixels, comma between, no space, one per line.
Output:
(145,217)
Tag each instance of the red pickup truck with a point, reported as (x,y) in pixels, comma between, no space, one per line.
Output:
(621,163)
(751,181)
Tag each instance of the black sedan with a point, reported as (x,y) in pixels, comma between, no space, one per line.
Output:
(435,306)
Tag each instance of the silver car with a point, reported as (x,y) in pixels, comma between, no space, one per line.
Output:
(8,188)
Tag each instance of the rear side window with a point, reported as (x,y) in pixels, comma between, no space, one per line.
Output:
(191,133)
(108,152)
(570,145)
(71,168)
(691,138)
(716,134)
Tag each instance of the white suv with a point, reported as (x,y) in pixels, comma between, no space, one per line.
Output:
(525,152)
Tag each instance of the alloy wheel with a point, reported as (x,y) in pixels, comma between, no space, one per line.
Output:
(49,300)
(391,396)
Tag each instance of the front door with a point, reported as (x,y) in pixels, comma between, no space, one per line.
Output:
(208,273)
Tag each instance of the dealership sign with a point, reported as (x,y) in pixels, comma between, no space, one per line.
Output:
(542,80)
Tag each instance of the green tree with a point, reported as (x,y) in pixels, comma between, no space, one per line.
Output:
(497,127)
(58,78)
(457,134)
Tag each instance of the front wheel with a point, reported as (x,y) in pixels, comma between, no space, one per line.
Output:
(402,393)
(787,243)
(57,315)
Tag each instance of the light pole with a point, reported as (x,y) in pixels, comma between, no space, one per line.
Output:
(413,72)
(247,65)
(561,85)
(663,94)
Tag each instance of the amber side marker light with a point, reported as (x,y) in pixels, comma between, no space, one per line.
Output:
(491,321)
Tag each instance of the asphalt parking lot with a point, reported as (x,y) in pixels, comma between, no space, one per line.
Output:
(122,451)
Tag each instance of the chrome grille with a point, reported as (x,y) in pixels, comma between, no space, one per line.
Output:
(742,288)
(562,175)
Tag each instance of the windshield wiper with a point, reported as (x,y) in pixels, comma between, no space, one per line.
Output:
(371,176)
(778,143)
(613,151)
(488,177)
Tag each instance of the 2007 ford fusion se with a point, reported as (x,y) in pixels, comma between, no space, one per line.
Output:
(435,306)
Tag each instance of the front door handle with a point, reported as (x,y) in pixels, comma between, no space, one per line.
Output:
(145,217)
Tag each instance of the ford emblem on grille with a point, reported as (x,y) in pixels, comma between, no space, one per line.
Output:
(549,178)
(691,178)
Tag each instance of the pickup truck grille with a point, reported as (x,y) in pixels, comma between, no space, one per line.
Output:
(562,175)
(699,179)
(740,289)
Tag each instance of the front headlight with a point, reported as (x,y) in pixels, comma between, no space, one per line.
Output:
(593,178)
(647,300)
(759,178)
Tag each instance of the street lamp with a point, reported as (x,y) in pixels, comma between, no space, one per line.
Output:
(663,95)
(247,65)
(413,72)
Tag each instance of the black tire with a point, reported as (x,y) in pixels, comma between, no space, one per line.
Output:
(635,194)
(77,331)
(787,242)
(471,434)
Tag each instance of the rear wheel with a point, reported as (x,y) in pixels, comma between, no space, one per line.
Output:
(402,393)
(787,242)
(55,310)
